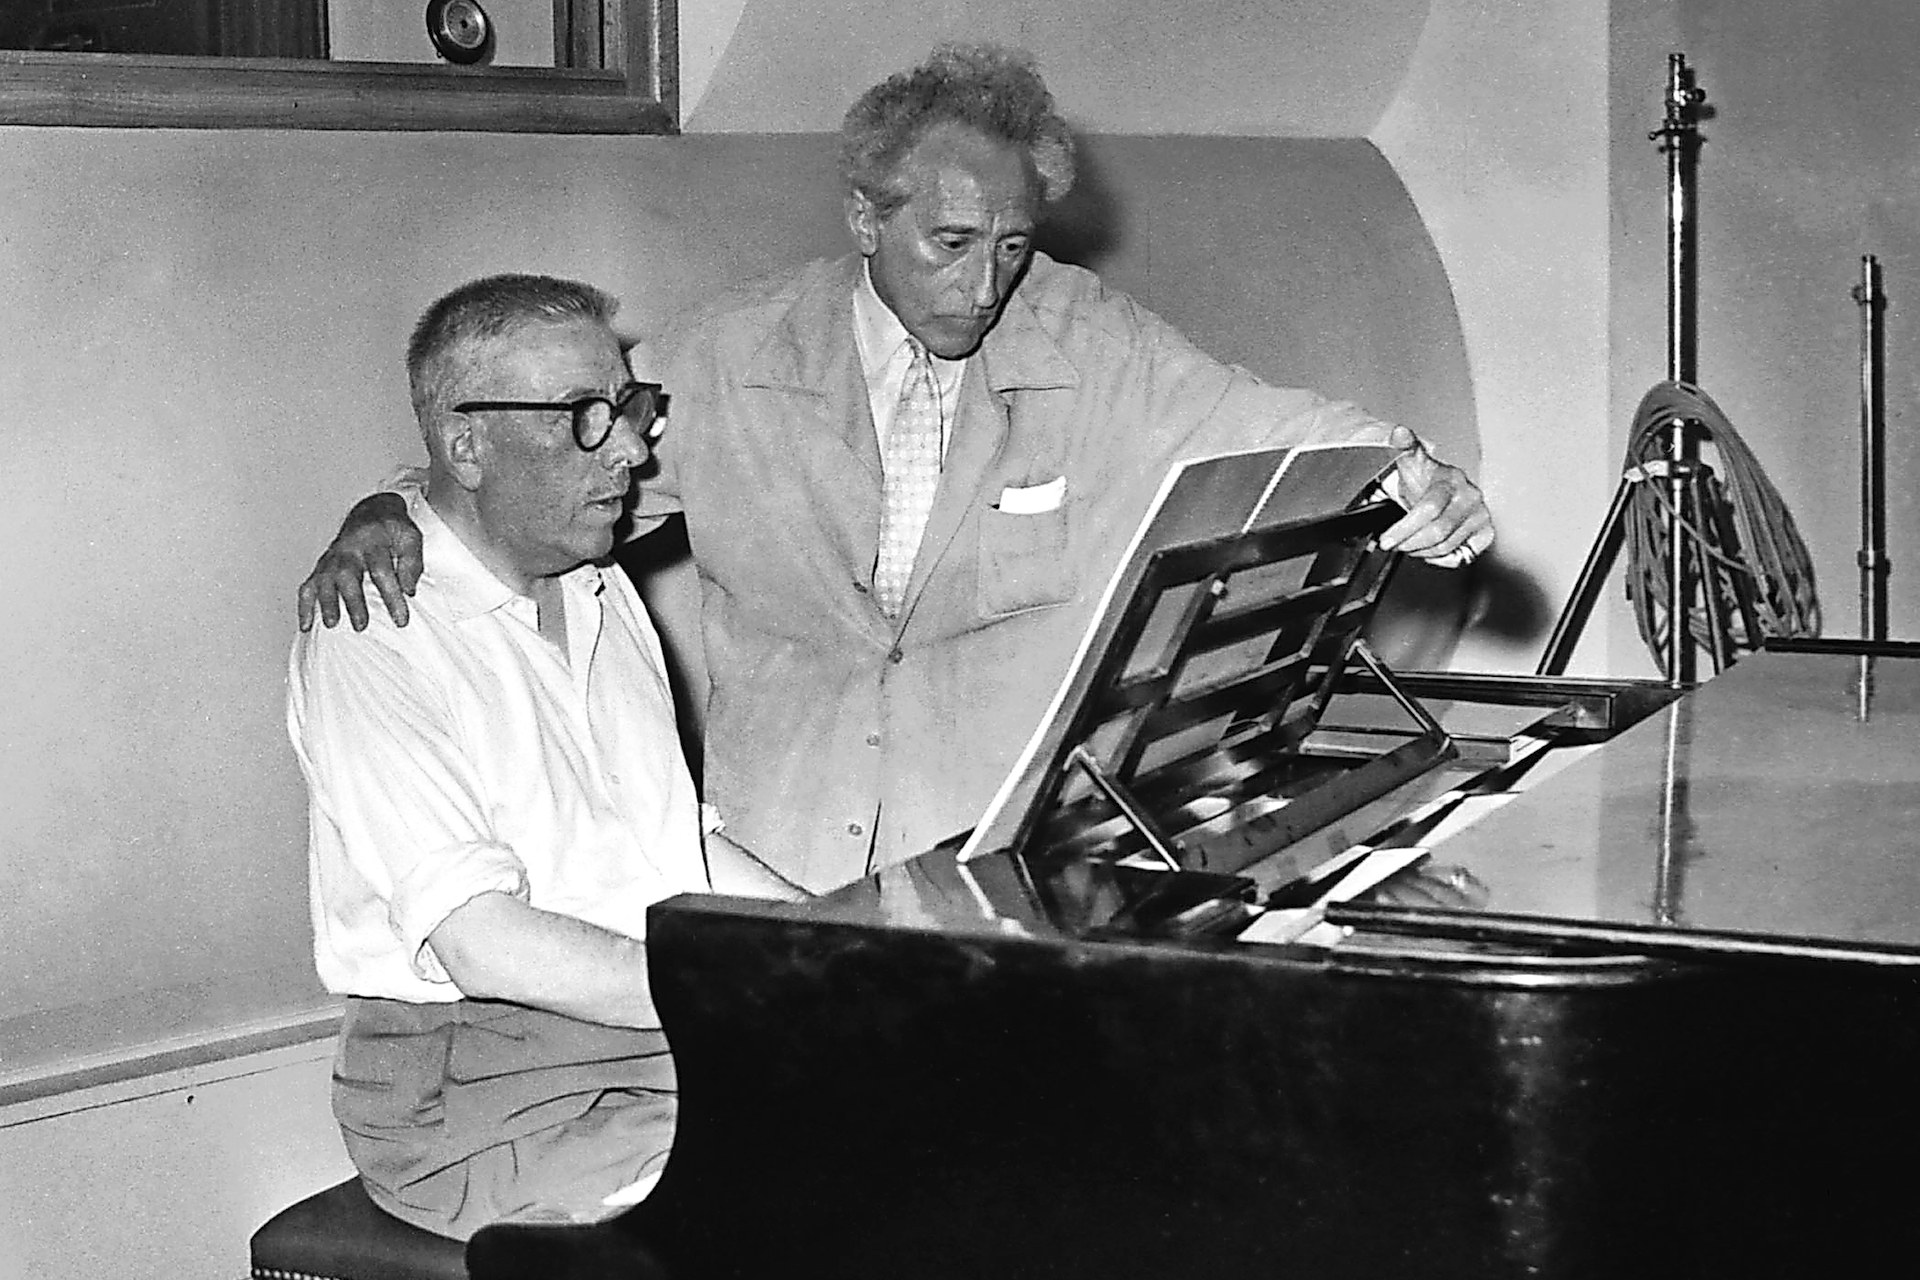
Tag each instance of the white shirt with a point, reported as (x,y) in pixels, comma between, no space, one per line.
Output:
(460,755)
(885,356)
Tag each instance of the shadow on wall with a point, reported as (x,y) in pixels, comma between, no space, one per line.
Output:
(661,566)
(1305,261)
(1427,610)
(1087,225)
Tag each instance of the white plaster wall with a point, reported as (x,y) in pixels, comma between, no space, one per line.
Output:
(1500,133)
(706,28)
(167,1177)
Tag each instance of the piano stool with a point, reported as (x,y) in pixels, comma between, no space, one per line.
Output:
(341,1234)
(511,1251)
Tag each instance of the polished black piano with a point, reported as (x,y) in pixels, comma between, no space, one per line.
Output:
(1574,978)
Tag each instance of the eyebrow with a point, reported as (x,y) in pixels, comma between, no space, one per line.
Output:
(974,229)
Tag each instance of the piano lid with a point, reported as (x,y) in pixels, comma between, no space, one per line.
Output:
(1757,816)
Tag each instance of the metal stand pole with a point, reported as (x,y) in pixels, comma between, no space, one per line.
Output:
(1873,474)
(1679,137)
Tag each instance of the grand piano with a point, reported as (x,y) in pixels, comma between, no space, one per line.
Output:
(1270,962)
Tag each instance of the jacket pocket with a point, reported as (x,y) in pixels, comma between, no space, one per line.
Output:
(1023,561)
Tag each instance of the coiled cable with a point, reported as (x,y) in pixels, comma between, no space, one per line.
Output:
(1769,553)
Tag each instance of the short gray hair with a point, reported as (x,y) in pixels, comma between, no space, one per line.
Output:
(995,90)
(447,338)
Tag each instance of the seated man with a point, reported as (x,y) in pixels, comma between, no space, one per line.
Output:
(498,794)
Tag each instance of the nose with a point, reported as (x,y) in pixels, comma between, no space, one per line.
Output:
(625,446)
(986,278)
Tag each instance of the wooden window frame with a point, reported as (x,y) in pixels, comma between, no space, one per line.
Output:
(124,90)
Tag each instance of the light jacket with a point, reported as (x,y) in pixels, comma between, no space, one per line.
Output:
(839,740)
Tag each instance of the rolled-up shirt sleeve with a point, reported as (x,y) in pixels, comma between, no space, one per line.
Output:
(402,835)
(435,886)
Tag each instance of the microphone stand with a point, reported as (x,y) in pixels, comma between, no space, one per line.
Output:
(1693,511)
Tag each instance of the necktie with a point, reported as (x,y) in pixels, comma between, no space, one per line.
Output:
(911,466)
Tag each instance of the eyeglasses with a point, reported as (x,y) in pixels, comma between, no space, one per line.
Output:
(593,416)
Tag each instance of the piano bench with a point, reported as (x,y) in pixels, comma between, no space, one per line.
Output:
(341,1234)
(511,1251)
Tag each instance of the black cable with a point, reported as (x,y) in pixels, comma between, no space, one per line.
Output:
(1770,554)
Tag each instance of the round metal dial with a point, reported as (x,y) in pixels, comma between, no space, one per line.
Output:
(460,29)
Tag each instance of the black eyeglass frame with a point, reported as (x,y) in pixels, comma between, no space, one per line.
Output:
(589,431)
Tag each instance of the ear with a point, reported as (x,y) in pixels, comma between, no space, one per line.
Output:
(460,441)
(863,220)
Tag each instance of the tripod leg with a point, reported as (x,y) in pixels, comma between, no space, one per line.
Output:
(1697,515)
(1681,581)
(1586,588)
(1739,577)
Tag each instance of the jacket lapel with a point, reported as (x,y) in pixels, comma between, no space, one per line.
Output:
(810,360)
(811,353)
(1017,355)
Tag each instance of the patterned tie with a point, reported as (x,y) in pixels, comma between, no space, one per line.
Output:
(911,462)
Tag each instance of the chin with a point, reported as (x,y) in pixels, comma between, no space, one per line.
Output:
(959,349)
(589,547)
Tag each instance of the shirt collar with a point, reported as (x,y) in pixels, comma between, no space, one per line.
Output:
(468,588)
(806,347)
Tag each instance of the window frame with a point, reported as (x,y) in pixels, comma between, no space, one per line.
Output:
(109,90)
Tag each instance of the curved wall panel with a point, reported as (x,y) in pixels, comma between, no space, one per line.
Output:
(1309,68)
(1300,258)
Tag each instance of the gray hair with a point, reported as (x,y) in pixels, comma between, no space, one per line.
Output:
(995,90)
(448,338)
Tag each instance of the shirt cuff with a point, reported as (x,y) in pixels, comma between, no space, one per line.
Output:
(441,883)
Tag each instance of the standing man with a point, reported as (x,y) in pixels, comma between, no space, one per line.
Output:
(497,793)
(908,473)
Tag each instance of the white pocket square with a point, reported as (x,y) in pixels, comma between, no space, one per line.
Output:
(1033,499)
